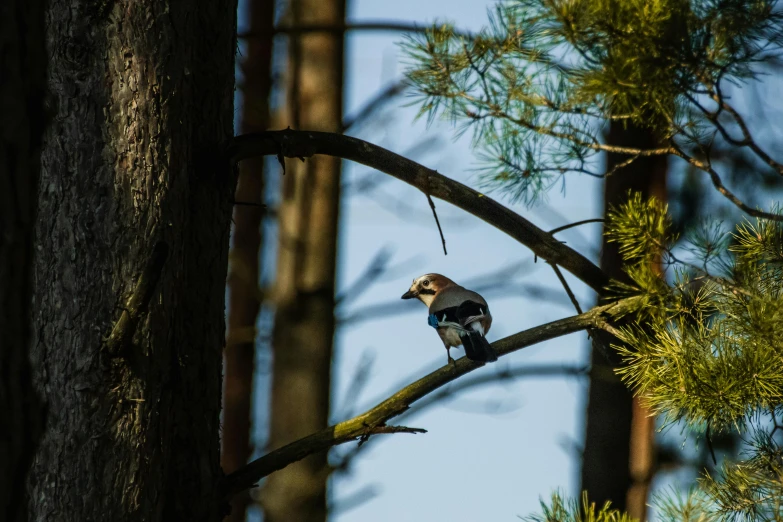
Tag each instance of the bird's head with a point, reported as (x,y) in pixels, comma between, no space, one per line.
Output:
(426,287)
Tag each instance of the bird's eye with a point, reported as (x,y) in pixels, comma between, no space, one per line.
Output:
(425,282)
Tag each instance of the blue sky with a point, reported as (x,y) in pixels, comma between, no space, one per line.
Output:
(471,465)
(490,453)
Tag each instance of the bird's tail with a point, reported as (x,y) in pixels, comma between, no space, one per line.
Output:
(477,348)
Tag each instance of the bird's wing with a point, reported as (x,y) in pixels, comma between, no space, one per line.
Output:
(444,318)
(471,311)
(454,296)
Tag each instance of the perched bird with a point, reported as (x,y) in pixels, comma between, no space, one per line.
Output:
(460,316)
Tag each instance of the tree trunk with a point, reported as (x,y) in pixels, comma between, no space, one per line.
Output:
(245,302)
(619,452)
(22,88)
(304,318)
(132,171)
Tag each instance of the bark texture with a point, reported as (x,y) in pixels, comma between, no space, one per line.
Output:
(619,452)
(143,97)
(245,300)
(22,88)
(303,333)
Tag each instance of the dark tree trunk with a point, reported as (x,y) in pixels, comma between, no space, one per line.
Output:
(618,454)
(245,303)
(22,124)
(304,319)
(144,98)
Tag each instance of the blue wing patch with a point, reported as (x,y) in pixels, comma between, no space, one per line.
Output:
(432,320)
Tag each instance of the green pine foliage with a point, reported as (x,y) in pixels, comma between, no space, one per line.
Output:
(562,510)
(706,350)
(537,88)
(540,82)
(709,349)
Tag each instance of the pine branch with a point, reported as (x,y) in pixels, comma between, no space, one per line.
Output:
(300,144)
(717,182)
(375,419)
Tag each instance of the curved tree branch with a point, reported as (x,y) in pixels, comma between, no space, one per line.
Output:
(503,376)
(375,419)
(302,144)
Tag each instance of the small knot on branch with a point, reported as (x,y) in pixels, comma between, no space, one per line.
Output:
(137,304)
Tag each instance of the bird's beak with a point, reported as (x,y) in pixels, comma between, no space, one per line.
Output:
(410,294)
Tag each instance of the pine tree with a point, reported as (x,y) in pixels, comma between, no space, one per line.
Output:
(536,87)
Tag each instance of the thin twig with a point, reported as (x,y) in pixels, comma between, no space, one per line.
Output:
(437,222)
(720,187)
(138,302)
(576,224)
(747,140)
(567,288)
(250,474)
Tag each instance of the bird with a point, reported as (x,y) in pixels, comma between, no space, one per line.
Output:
(460,316)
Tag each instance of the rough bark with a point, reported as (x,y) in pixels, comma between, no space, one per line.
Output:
(244,300)
(305,286)
(618,454)
(22,88)
(143,97)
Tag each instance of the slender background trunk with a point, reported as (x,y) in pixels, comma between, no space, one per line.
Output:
(618,460)
(22,88)
(305,287)
(131,168)
(245,300)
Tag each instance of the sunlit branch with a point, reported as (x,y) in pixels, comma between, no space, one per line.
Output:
(503,376)
(375,419)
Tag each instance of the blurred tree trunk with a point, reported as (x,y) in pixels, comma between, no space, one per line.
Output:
(131,170)
(618,460)
(245,255)
(305,287)
(22,88)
